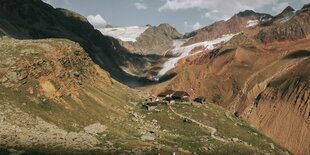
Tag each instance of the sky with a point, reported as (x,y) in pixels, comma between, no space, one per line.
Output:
(184,15)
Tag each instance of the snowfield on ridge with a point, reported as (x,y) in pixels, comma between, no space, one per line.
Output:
(126,34)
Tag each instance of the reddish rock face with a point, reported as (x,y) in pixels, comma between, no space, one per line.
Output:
(283,113)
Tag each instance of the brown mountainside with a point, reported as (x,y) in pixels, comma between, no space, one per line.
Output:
(267,83)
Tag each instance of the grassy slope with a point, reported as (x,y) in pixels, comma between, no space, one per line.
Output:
(190,136)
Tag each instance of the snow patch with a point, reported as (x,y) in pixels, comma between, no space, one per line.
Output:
(252,23)
(124,33)
(185,51)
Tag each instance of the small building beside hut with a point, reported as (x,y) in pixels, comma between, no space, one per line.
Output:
(152,98)
(181,96)
(201,100)
(151,105)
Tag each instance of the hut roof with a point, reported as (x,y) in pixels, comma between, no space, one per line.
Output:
(201,98)
(166,92)
(180,94)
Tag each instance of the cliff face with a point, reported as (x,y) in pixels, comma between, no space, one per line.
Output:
(284,109)
(279,105)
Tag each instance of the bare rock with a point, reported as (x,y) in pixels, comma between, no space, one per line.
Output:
(94,129)
(147,137)
(76,73)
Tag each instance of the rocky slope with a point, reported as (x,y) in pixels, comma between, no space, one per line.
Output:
(33,19)
(263,78)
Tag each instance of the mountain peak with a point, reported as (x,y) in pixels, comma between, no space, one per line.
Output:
(287,10)
(306,6)
(246,13)
(169,30)
(249,13)
(165,25)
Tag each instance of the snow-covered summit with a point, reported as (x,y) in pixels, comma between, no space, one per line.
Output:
(124,33)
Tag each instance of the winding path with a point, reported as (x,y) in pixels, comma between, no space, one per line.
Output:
(213,130)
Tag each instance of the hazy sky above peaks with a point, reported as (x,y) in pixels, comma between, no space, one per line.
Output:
(184,15)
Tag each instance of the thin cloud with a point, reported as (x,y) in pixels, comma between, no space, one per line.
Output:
(140,6)
(67,2)
(57,1)
(47,1)
(215,15)
(97,20)
(197,26)
(215,9)
(280,7)
(306,1)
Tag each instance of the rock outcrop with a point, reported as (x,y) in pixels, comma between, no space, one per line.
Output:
(156,40)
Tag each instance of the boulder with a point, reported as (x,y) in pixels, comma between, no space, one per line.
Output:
(94,129)
(147,137)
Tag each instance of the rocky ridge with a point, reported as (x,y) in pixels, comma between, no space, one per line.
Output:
(156,40)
